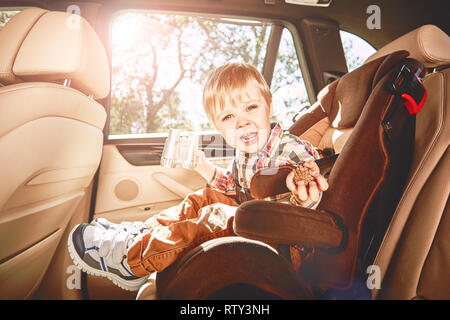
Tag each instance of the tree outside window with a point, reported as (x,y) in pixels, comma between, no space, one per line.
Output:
(356,50)
(160,64)
(161,61)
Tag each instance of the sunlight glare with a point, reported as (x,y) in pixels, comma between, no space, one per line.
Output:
(126,29)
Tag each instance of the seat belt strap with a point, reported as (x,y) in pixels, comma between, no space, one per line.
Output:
(409,86)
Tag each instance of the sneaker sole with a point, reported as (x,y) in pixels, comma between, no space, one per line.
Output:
(129,285)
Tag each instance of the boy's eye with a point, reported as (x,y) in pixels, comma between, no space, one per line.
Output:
(250,108)
(227,117)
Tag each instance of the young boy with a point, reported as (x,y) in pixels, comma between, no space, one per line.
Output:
(238,102)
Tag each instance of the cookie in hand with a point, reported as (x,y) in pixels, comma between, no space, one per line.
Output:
(303,173)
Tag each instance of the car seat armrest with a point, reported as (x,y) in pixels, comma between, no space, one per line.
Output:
(271,181)
(281,223)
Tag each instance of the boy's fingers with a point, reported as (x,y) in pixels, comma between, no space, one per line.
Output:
(199,158)
(199,153)
(313,191)
(301,191)
(312,165)
(321,181)
(290,182)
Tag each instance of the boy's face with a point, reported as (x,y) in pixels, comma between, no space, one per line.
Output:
(245,121)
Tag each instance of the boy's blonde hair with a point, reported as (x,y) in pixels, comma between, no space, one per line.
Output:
(226,83)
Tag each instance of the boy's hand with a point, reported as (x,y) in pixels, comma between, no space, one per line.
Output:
(312,191)
(200,159)
(203,166)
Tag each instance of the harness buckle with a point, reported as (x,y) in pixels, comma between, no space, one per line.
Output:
(409,86)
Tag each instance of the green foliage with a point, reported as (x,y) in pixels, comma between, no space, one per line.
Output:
(353,61)
(356,50)
(171,53)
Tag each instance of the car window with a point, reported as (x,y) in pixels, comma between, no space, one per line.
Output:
(160,63)
(356,50)
(6,14)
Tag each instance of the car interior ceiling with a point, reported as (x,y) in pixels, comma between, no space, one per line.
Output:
(342,12)
(398,17)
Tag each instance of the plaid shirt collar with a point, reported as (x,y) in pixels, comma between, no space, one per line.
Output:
(271,145)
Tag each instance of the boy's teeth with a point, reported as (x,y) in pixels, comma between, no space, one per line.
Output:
(249,137)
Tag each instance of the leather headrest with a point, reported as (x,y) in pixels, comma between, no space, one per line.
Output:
(49,46)
(12,36)
(427,44)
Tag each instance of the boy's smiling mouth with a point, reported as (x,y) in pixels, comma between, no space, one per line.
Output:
(249,137)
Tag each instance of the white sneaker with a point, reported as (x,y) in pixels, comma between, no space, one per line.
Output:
(100,248)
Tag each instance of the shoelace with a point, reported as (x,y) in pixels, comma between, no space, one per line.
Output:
(114,241)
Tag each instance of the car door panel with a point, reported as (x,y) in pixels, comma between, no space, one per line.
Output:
(127,192)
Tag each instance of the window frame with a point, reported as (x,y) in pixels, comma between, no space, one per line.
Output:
(154,142)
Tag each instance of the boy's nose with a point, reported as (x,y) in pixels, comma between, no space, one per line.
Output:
(242,123)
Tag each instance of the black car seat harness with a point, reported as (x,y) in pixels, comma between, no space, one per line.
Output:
(399,130)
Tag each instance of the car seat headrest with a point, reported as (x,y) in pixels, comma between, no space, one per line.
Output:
(49,46)
(344,99)
(428,44)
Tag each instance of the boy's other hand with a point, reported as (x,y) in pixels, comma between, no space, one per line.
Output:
(200,159)
(313,189)
(203,166)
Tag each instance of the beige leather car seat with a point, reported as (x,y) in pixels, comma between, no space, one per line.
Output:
(414,257)
(50,136)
